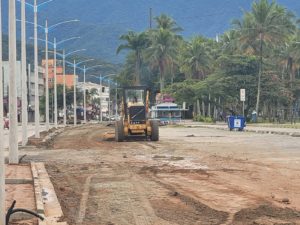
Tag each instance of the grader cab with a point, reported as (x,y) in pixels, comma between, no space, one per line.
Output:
(134,119)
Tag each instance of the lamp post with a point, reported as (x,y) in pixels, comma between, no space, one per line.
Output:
(100,91)
(102,78)
(84,90)
(2,164)
(54,44)
(24,77)
(64,56)
(36,73)
(46,30)
(75,65)
(13,131)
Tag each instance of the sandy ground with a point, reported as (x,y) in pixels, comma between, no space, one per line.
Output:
(192,176)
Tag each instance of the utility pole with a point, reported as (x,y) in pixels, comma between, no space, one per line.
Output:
(47,78)
(116,102)
(13,111)
(84,95)
(24,76)
(75,104)
(36,76)
(150,18)
(64,88)
(109,101)
(55,86)
(2,164)
(101,116)
(28,90)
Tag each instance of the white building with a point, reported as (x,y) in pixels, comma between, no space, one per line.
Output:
(102,93)
(31,86)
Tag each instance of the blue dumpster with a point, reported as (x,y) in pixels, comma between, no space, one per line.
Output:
(236,122)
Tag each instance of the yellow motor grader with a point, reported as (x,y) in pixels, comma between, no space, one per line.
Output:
(135,115)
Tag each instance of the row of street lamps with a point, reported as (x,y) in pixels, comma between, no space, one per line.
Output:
(13,131)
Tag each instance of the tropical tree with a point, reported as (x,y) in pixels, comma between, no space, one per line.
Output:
(229,42)
(137,42)
(162,52)
(167,23)
(196,59)
(268,24)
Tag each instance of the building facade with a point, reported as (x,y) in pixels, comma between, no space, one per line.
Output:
(59,74)
(102,94)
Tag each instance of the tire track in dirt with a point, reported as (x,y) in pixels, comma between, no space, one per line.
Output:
(84,200)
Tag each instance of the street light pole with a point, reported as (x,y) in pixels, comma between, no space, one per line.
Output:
(75,103)
(24,76)
(85,69)
(36,76)
(64,55)
(47,78)
(13,131)
(2,164)
(116,102)
(55,86)
(101,116)
(64,88)
(84,95)
(109,101)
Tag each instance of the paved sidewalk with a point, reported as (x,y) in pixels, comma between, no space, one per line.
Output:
(252,128)
(31,187)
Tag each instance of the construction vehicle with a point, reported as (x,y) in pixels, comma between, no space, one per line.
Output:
(135,119)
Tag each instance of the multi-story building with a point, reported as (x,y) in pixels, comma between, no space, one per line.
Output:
(59,74)
(102,94)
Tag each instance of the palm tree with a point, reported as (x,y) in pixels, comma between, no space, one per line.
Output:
(167,23)
(162,51)
(267,24)
(137,42)
(229,41)
(195,59)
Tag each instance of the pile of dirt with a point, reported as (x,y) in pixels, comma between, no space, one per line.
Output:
(267,215)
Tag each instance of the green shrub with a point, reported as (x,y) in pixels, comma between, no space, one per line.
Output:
(204,119)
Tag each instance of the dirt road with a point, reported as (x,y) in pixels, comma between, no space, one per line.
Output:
(192,176)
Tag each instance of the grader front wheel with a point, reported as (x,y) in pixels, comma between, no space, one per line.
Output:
(119,131)
(154,130)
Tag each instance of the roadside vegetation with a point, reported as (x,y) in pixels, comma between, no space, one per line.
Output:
(261,53)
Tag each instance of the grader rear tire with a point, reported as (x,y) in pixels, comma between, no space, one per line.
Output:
(119,131)
(155,130)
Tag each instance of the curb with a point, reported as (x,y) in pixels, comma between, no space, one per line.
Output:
(46,200)
(292,134)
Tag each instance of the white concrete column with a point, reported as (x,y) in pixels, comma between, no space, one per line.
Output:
(75,103)
(47,78)
(24,77)
(64,89)
(55,86)
(36,76)
(2,165)
(101,115)
(13,111)
(84,95)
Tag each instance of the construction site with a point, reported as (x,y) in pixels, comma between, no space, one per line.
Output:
(193,175)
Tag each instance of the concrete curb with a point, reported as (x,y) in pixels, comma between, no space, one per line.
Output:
(293,134)
(46,200)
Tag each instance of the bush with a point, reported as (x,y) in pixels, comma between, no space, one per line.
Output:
(204,119)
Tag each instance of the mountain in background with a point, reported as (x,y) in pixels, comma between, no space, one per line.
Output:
(102,22)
